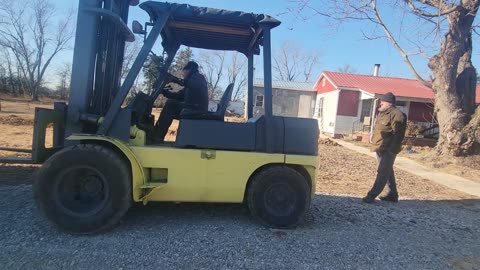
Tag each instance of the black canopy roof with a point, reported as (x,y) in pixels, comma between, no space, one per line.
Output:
(210,28)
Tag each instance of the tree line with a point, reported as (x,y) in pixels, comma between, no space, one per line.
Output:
(30,39)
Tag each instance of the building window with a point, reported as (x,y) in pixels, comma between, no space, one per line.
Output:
(323,82)
(320,108)
(259,101)
(366,108)
(401,103)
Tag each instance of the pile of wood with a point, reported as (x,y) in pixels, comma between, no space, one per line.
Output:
(327,141)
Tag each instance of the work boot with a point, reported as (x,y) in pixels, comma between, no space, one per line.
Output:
(368,199)
(389,198)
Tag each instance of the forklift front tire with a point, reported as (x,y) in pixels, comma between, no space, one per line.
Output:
(84,189)
(279,196)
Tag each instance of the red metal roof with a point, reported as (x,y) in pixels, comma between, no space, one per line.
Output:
(381,85)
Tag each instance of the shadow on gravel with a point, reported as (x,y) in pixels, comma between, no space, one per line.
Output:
(185,214)
(12,175)
(326,210)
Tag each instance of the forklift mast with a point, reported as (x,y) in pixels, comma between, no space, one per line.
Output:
(100,39)
(101,34)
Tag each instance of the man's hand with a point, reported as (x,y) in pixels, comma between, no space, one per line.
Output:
(167,87)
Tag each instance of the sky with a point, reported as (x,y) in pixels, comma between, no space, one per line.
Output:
(338,46)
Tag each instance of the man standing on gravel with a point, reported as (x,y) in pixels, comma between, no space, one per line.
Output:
(388,135)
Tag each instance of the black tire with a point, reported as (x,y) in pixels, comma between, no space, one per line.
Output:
(84,189)
(279,196)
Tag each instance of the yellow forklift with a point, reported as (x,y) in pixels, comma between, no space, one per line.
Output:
(102,162)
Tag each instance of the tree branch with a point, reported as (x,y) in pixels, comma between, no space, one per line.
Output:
(397,46)
(441,10)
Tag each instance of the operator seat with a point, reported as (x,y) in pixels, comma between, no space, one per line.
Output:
(218,115)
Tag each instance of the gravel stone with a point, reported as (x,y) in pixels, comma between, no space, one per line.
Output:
(340,233)
(432,227)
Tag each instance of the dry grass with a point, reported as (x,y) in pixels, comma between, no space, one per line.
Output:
(16,125)
(20,107)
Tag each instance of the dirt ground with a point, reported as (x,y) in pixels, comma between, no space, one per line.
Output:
(341,171)
(468,167)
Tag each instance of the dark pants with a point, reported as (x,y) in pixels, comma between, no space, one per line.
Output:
(385,175)
(170,111)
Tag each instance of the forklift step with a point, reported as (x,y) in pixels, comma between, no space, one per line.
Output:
(18,150)
(17,160)
(150,185)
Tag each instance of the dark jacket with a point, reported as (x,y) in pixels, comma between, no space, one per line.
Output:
(194,94)
(390,127)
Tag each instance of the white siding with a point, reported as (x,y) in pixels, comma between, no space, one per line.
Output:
(330,101)
(237,107)
(304,106)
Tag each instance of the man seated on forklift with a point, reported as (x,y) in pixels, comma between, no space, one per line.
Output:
(191,100)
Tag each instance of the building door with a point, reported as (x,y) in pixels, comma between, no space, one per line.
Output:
(304,104)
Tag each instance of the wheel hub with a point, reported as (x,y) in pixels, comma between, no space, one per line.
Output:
(280,199)
(82,190)
(92,185)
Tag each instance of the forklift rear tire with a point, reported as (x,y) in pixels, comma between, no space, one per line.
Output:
(84,189)
(279,196)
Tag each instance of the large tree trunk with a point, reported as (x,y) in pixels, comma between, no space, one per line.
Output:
(454,87)
(35,93)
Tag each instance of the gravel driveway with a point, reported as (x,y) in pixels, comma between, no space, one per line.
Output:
(432,227)
(340,233)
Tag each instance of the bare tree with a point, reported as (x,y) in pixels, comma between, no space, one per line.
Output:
(237,75)
(290,63)
(347,68)
(26,31)
(213,67)
(3,78)
(131,51)
(64,74)
(286,62)
(310,61)
(454,76)
(8,71)
(14,81)
(182,58)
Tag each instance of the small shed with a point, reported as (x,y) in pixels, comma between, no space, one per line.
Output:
(292,99)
